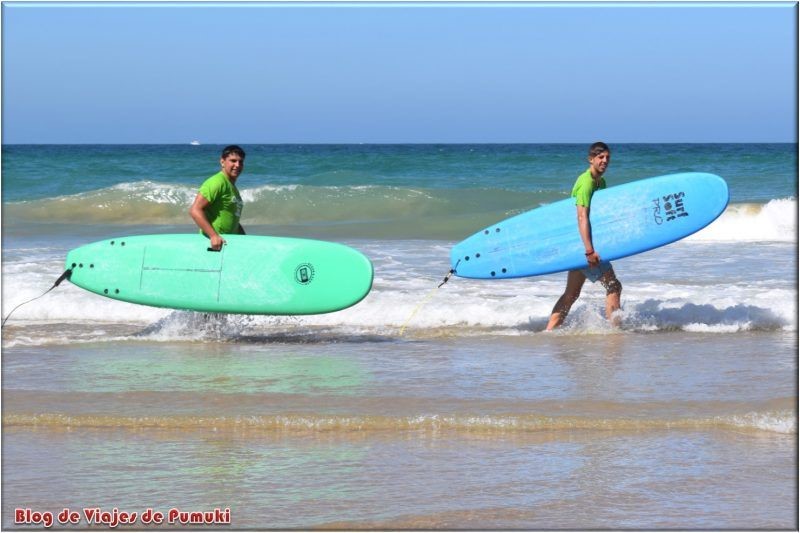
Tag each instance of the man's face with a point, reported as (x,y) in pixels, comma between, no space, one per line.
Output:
(232,166)
(599,163)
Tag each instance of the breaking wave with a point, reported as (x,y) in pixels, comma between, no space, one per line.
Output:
(366,210)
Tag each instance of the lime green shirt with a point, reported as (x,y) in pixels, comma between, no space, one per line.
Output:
(225,203)
(584,188)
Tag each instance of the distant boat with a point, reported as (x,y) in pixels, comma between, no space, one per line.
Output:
(195,143)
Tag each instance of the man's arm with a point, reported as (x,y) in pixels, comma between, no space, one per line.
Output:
(199,217)
(585,229)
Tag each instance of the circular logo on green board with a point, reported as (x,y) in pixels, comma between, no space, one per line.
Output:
(304,273)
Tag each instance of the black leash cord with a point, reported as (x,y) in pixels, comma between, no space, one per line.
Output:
(61,278)
(446,278)
(449,274)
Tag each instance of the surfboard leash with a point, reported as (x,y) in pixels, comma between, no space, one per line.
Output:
(61,278)
(428,298)
(448,276)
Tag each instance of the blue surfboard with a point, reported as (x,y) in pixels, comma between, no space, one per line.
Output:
(626,220)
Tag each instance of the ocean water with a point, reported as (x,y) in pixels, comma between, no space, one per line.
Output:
(421,407)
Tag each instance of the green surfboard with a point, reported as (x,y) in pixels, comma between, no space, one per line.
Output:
(250,275)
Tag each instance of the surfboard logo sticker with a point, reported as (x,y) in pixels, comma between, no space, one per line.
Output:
(304,273)
(673,208)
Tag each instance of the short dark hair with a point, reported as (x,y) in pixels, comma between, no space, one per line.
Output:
(232,149)
(598,148)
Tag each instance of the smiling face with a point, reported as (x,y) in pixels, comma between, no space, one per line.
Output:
(599,163)
(232,166)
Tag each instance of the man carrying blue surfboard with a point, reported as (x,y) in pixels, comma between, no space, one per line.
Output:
(217,208)
(585,186)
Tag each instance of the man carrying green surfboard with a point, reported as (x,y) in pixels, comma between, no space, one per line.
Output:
(585,186)
(217,208)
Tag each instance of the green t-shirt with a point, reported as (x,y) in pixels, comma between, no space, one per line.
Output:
(225,203)
(584,188)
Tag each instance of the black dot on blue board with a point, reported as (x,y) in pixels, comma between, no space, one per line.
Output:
(116,291)
(504,271)
(112,243)
(466,258)
(493,274)
(105,291)
(122,243)
(74,265)
(477,256)
(91,266)
(80,266)
(497,230)
(486,232)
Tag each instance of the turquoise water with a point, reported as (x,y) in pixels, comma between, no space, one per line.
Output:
(754,172)
(418,408)
(365,191)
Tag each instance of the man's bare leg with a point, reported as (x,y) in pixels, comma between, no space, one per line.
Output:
(575,281)
(613,296)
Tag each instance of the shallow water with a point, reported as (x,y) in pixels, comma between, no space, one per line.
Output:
(619,430)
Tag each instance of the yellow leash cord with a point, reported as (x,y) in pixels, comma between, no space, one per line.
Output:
(427,299)
(416,310)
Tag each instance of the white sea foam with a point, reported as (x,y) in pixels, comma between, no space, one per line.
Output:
(685,286)
(160,193)
(778,422)
(453,310)
(774,221)
(254,193)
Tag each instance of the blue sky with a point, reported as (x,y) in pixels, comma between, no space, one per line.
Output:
(392,73)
